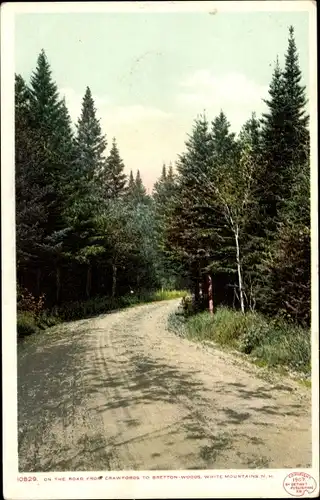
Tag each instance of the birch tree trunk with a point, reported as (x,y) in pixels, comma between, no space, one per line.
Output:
(210,294)
(236,234)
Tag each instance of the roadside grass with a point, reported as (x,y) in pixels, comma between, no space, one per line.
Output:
(29,323)
(268,342)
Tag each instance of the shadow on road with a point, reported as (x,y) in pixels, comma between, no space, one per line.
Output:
(53,380)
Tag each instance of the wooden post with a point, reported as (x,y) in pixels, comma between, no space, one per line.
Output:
(210,294)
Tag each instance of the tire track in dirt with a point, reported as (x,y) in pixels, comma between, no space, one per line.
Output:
(120,392)
(134,342)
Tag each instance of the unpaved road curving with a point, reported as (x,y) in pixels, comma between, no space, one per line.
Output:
(120,392)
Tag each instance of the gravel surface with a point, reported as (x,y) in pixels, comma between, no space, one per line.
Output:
(120,392)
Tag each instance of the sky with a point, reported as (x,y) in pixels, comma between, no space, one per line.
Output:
(152,74)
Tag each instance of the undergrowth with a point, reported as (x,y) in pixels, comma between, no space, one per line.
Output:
(36,319)
(270,342)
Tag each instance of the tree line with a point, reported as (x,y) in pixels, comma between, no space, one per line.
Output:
(239,219)
(83,227)
(233,214)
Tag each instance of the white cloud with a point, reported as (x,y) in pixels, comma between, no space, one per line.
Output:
(103,104)
(137,113)
(233,92)
(147,136)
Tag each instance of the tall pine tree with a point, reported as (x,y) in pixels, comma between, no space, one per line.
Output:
(137,192)
(49,120)
(296,117)
(90,142)
(187,227)
(31,212)
(87,200)
(113,177)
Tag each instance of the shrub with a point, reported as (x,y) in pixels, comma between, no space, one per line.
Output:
(176,324)
(273,342)
(26,323)
(46,321)
(168,294)
(286,345)
(255,334)
(99,305)
(27,302)
(189,305)
(200,326)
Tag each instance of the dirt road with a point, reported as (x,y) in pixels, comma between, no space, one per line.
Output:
(120,392)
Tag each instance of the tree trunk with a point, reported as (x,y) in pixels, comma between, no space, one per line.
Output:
(196,291)
(114,280)
(38,281)
(236,234)
(88,284)
(58,283)
(203,289)
(210,294)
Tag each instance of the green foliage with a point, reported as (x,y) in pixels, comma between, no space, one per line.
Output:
(287,345)
(236,208)
(270,342)
(136,191)
(164,190)
(225,326)
(26,324)
(168,294)
(188,305)
(241,208)
(102,305)
(90,142)
(176,324)
(112,176)
(187,224)
(285,136)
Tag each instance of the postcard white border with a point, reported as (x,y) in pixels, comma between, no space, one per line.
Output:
(269,483)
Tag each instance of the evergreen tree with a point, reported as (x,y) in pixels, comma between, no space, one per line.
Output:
(136,192)
(286,269)
(113,178)
(188,228)
(251,132)
(86,202)
(223,141)
(252,238)
(50,127)
(275,177)
(163,196)
(140,190)
(44,100)
(131,184)
(224,159)
(31,212)
(158,188)
(296,118)
(50,119)
(164,173)
(285,154)
(90,142)
(284,134)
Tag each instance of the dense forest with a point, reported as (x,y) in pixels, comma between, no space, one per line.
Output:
(234,210)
